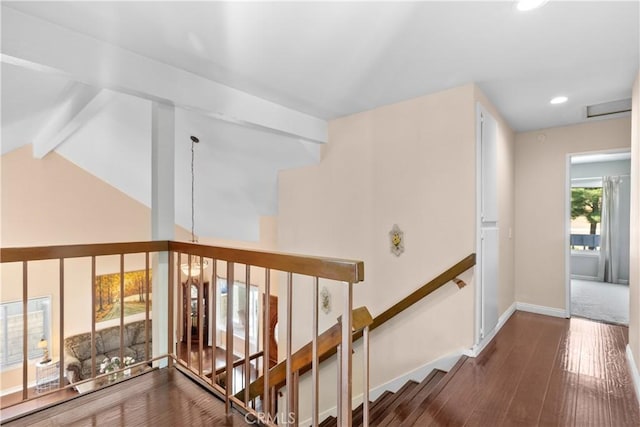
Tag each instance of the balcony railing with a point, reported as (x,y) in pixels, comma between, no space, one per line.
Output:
(188,330)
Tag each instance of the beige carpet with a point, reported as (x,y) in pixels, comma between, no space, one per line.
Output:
(608,302)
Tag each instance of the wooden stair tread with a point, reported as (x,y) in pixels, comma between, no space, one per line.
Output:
(380,401)
(381,410)
(404,407)
(329,422)
(423,405)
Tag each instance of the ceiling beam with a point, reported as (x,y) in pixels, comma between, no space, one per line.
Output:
(31,42)
(77,105)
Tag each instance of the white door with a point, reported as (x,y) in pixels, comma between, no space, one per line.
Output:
(488,229)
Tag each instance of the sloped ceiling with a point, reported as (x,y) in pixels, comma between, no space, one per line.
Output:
(325,59)
(235,168)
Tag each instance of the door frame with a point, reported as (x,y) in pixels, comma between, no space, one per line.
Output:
(481,336)
(567,219)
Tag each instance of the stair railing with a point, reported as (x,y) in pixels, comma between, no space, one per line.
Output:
(325,352)
(171,258)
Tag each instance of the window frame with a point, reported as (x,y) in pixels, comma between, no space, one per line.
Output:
(45,301)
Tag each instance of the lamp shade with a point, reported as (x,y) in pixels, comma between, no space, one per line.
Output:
(43,343)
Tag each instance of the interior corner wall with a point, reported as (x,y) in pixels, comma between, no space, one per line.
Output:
(410,164)
(634,253)
(540,203)
(506,205)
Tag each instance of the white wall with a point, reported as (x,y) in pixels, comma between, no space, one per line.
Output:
(541,191)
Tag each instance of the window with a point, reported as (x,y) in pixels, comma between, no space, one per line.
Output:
(38,321)
(586,203)
(239,295)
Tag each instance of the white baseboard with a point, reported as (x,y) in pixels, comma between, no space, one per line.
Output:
(444,363)
(597,279)
(540,309)
(16,389)
(587,278)
(635,375)
(477,349)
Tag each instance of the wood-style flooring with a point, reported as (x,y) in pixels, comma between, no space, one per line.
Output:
(163,397)
(538,371)
(541,371)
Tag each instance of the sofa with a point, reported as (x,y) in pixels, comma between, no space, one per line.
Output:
(77,348)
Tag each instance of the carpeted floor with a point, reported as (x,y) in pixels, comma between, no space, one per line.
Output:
(608,302)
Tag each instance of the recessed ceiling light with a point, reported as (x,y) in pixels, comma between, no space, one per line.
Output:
(559,100)
(525,5)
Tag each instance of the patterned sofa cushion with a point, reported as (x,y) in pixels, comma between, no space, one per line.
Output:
(78,348)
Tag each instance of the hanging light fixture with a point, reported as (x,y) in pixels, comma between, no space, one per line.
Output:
(195,267)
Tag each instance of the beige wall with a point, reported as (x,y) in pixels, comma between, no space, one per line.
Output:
(411,164)
(540,211)
(634,253)
(50,202)
(54,202)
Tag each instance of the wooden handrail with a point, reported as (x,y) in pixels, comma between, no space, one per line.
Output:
(442,279)
(328,268)
(38,253)
(240,362)
(347,271)
(302,358)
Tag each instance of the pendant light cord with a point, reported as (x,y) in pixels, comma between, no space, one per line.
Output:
(193,216)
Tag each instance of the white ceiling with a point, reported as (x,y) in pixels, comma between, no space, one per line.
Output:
(331,59)
(325,59)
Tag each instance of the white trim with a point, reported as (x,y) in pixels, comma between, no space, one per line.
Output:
(587,278)
(17,388)
(477,270)
(595,253)
(477,349)
(635,375)
(444,363)
(596,279)
(567,237)
(540,309)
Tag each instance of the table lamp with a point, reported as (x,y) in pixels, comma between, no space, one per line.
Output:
(44,345)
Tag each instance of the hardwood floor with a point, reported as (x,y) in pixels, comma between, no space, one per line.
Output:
(159,398)
(12,404)
(538,371)
(541,371)
(194,356)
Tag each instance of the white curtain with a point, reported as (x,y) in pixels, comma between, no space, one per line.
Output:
(609,267)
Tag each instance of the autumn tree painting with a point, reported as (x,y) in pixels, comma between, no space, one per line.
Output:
(108,304)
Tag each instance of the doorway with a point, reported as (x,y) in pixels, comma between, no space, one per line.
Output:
(191,315)
(487,226)
(598,204)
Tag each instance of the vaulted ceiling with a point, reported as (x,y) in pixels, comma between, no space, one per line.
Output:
(297,64)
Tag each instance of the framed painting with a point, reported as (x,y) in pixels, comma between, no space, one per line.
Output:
(134,300)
